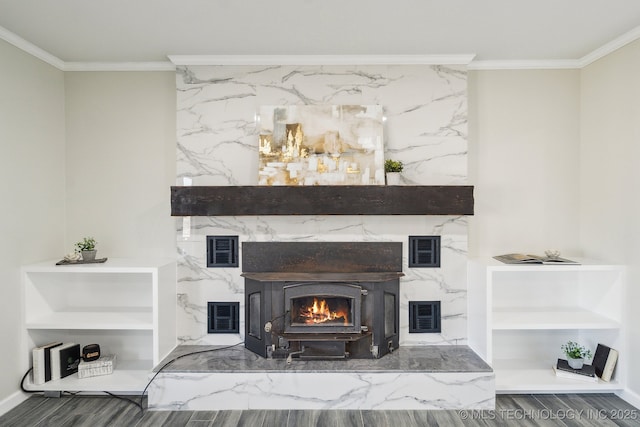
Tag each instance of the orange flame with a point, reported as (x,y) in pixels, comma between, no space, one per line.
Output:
(319,312)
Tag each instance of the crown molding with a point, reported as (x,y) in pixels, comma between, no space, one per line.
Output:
(31,49)
(612,46)
(467,60)
(557,64)
(321,59)
(119,66)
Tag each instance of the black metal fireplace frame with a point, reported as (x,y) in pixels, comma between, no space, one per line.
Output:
(269,267)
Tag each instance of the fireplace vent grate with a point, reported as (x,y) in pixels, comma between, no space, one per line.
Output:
(424,251)
(222,251)
(224,317)
(424,316)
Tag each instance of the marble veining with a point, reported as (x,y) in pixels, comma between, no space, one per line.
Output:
(227,359)
(425,107)
(434,377)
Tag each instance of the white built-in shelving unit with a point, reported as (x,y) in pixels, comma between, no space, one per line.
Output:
(520,315)
(127,306)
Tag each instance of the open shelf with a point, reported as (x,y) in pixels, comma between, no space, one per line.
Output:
(128,376)
(520,315)
(126,306)
(524,376)
(553,318)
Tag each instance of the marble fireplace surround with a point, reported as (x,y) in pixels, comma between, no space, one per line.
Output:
(217,146)
(217,159)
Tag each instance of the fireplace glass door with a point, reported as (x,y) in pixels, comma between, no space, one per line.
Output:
(320,311)
(323,307)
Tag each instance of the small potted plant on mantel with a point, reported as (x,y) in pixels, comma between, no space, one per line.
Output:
(576,354)
(87,247)
(392,169)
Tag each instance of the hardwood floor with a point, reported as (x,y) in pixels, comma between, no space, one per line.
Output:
(511,410)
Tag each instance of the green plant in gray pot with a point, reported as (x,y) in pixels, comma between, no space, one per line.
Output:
(576,354)
(87,247)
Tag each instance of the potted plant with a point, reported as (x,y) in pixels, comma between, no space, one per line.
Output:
(87,247)
(576,354)
(392,169)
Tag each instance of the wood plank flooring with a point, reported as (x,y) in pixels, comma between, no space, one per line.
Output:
(511,410)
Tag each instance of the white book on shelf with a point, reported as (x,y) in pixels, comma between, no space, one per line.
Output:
(42,362)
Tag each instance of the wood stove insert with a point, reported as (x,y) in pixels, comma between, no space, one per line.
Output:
(321,300)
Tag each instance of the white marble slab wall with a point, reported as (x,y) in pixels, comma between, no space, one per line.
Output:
(426,128)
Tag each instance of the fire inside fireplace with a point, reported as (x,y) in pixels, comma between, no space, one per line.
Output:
(319,307)
(320,311)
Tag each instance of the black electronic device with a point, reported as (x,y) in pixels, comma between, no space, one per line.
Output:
(90,352)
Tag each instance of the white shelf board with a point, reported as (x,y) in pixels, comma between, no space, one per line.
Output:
(112,265)
(584,265)
(518,318)
(129,320)
(128,376)
(526,376)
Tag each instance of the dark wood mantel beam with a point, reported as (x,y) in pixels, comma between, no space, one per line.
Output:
(322,200)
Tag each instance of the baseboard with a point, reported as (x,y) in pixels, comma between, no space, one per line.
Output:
(630,397)
(12,401)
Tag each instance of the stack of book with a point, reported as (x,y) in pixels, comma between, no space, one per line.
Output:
(42,363)
(54,361)
(586,373)
(602,367)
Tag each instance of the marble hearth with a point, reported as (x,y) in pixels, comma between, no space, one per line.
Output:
(426,377)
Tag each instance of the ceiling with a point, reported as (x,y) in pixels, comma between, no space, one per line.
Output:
(150,30)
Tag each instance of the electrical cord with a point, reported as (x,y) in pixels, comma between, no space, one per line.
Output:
(22,383)
(269,325)
(133,402)
(177,358)
(139,405)
(37,391)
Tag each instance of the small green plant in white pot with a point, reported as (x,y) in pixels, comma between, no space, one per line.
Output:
(392,169)
(87,247)
(576,354)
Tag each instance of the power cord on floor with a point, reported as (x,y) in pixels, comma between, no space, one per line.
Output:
(133,402)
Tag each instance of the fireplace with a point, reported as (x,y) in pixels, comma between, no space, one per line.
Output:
(317,300)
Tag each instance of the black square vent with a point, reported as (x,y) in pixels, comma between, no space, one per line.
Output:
(224,318)
(222,251)
(424,251)
(424,316)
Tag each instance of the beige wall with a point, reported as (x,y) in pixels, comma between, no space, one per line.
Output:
(523,160)
(32,141)
(610,175)
(121,159)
